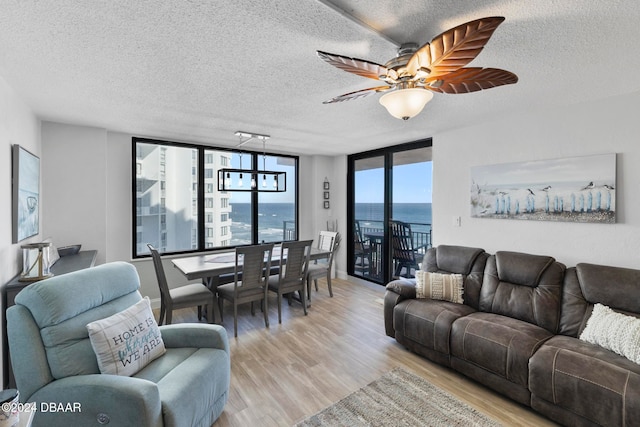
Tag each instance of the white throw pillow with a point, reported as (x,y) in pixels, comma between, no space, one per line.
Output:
(447,287)
(127,341)
(614,331)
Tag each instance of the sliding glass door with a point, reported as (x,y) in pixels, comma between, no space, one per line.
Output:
(368,224)
(389,214)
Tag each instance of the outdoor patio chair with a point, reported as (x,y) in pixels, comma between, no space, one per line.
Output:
(405,254)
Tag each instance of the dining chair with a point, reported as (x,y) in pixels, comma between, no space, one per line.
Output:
(361,250)
(404,253)
(329,241)
(190,295)
(251,275)
(294,263)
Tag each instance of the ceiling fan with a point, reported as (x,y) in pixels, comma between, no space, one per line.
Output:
(439,66)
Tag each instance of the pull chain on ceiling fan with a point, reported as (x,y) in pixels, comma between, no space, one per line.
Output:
(439,66)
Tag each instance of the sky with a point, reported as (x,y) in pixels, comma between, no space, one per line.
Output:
(412,183)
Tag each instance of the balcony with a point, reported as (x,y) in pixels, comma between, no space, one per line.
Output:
(368,256)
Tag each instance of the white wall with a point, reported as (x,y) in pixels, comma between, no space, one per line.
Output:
(604,126)
(74,165)
(18,125)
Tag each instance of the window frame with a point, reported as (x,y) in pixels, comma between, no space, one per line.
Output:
(201,193)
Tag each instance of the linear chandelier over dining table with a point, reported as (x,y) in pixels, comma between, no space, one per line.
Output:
(232,179)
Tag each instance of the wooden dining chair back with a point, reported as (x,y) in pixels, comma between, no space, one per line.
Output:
(189,295)
(294,263)
(326,240)
(403,251)
(251,274)
(323,269)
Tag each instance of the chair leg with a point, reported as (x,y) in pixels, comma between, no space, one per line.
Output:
(199,312)
(329,283)
(303,299)
(309,288)
(169,310)
(315,282)
(210,311)
(253,310)
(220,303)
(235,319)
(279,307)
(266,312)
(162,313)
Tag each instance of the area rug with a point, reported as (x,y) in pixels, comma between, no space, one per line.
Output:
(399,398)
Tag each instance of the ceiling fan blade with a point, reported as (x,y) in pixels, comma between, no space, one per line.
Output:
(465,80)
(359,67)
(358,94)
(454,48)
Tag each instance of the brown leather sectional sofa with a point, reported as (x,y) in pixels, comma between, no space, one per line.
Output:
(517,331)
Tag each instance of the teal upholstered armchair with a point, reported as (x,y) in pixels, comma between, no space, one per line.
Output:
(54,362)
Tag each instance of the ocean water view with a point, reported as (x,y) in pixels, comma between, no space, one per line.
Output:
(273,216)
(271,222)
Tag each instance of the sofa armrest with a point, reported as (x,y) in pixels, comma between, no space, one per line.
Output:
(197,335)
(397,291)
(84,400)
(406,288)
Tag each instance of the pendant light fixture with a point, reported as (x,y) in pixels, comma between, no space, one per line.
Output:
(232,179)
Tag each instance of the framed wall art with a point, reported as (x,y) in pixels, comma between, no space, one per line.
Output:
(575,189)
(26,194)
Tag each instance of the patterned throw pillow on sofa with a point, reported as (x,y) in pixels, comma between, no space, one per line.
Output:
(447,287)
(614,331)
(127,341)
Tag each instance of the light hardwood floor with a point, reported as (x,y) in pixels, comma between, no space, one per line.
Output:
(288,372)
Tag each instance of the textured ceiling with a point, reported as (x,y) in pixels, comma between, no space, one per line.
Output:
(199,70)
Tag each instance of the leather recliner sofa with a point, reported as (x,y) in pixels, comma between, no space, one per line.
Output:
(517,331)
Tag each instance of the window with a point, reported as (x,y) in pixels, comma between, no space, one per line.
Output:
(278,220)
(172,213)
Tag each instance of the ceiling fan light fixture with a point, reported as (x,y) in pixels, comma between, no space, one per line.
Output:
(406,103)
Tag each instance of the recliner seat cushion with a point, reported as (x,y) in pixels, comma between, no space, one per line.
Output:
(182,374)
(586,380)
(428,322)
(498,344)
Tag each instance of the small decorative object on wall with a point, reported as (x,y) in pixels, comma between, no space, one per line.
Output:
(26,194)
(576,189)
(325,194)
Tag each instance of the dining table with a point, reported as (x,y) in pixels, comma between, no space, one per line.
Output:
(209,267)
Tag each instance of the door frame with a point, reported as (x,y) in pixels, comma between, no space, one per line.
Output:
(387,153)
